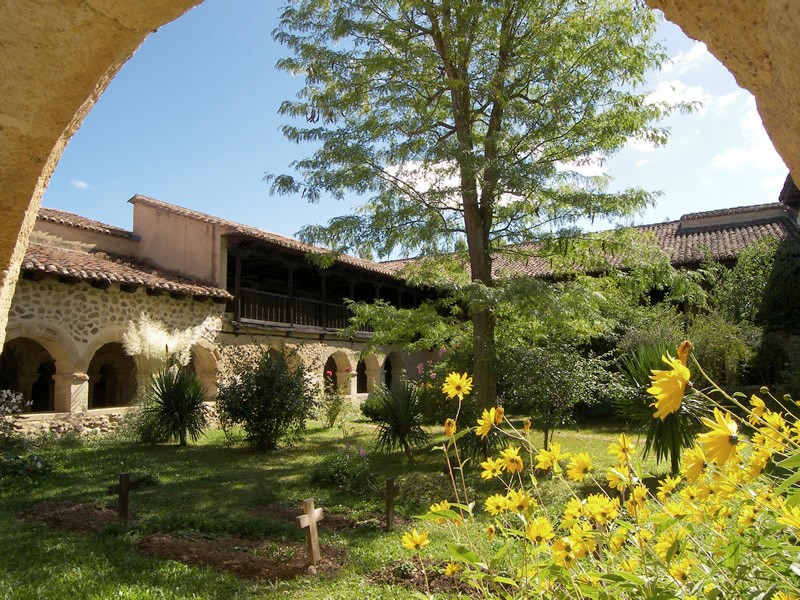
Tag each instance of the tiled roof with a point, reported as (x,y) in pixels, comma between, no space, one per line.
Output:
(687,241)
(100,267)
(61,217)
(259,234)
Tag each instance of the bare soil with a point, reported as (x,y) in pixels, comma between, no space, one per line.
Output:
(408,573)
(332,521)
(258,560)
(84,518)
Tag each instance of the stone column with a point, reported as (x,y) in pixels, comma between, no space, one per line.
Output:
(25,380)
(375,378)
(71,392)
(347,384)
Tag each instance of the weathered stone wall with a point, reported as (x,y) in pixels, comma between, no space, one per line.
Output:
(73,321)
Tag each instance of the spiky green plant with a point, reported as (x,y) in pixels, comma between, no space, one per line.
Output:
(677,431)
(174,401)
(399,414)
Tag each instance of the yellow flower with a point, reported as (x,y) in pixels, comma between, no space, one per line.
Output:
(757,409)
(694,463)
(499,413)
(512,461)
(452,569)
(414,540)
(485,423)
(667,487)
(443,505)
(579,466)
(492,467)
(684,350)
(680,570)
(601,509)
(630,565)
(456,384)
(564,552)
(720,442)
(449,428)
(784,596)
(549,458)
(791,517)
(618,477)
(539,530)
(490,531)
(495,504)
(668,387)
(518,500)
(526,425)
(622,449)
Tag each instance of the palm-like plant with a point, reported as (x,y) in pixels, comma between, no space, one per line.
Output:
(175,401)
(677,431)
(399,414)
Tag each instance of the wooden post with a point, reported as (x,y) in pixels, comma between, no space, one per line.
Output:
(237,289)
(290,290)
(309,519)
(324,297)
(392,489)
(124,488)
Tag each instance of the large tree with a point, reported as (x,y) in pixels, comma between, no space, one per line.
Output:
(464,124)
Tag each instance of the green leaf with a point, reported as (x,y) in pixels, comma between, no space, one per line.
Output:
(790,463)
(788,482)
(464,554)
(733,554)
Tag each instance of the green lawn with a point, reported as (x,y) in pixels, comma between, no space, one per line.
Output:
(210,490)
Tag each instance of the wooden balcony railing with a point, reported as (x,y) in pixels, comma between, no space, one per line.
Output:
(280,309)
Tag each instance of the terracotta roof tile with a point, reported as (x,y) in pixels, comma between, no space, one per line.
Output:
(61,217)
(100,267)
(259,234)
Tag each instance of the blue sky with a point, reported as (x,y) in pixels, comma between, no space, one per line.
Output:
(192,119)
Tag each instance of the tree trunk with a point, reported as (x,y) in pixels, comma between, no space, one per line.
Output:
(483,350)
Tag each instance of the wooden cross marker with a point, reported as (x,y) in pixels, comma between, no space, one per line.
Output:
(309,519)
(392,489)
(122,489)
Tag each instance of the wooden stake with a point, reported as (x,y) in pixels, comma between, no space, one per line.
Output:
(392,489)
(309,519)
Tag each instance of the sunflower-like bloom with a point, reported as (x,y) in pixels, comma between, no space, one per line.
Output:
(512,461)
(694,463)
(757,408)
(601,509)
(490,531)
(666,487)
(719,443)
(526,425)
(668,387)
(492,467)
(457,385)
(518,501)
(546,459)
(485,423)
(449,428)
(579,466)
(622,449)
(499,413)
(539,530)
(414,540)
(618,477)
(452,569)
(790,517)
(495,504)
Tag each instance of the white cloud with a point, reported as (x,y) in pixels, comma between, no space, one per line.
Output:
(643,162)
(79,184)
(591,166)
(774,183)
(683,62)
(757,151)
(675,91)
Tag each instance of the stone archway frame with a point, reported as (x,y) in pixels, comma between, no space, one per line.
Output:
(345,370)
(206,365)
(395,359)
(375,372)
(71,388)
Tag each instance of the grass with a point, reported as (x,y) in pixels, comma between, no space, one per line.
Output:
(210,489)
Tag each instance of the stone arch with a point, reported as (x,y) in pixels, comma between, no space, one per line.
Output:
(27,367)
(338,369)
(205,364)
(112,377)
(56,341)
(107,335)
(393,369)
(374,371)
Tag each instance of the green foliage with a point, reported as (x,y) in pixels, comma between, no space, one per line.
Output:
(270,399)
(27,465)
(548,382)
(175,405)
(332,405)
(400,418)
(724,348)
(668,437)
(349,469)
(11,405)
(650,326)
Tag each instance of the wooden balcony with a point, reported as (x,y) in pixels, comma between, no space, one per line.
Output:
(268,308)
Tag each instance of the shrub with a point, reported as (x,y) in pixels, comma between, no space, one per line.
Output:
(174,406)
(399,418)
(723,348)
(350,470)
(270,399)
(14,465)
(11,405)
(332,405)
(666,438)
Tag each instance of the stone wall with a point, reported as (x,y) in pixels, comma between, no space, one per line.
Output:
(73,321)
